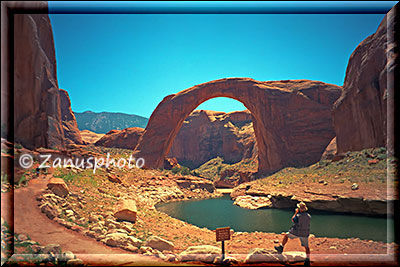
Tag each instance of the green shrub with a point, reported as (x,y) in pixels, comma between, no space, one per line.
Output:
(175,170)
(185,170)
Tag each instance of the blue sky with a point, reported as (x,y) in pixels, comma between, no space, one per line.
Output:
(130,62)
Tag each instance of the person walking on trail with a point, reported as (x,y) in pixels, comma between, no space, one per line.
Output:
(300,229)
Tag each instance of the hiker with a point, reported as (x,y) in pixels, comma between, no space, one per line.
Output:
(300,229)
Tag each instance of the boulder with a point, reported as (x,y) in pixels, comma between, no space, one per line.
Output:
(159,243)
(126,210)
(293,119)
(121,240)
(204,253)
(58,187)
(252,202)
(294,256)
(258,255)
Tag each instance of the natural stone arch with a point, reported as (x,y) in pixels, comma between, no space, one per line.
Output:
(291,119)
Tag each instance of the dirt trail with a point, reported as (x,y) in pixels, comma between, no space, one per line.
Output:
(30,220)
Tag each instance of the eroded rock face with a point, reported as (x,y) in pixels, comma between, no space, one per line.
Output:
(72,134)
(360,114)
(39,111)
(90,137)
(291,119)
(206,134)
(330,150)
(126,138)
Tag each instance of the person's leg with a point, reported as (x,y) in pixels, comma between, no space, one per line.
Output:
(279,248)
(285,239)
(307,251)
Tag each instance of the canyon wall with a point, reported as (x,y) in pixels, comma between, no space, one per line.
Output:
(360,115)
(205,135)
(42,112)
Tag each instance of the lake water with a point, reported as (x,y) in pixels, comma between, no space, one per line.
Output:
(220,212)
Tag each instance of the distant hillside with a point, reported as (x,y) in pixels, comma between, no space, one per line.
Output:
(105,121)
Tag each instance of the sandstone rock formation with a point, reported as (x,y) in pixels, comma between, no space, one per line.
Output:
(206,134)
(38,110)
(37,113)
(360,114)
(191,182)
(90,137)
(252,202)
(291,119)
(126,138)
(330,150)
(72,134)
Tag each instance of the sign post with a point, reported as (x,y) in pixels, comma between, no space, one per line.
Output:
(223,234)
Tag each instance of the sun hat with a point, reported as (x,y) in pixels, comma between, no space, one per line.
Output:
(302,206)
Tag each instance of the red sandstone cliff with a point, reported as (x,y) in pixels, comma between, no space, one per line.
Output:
(72,134)
(42,112)
(126,138)
(205,135)
(360,114)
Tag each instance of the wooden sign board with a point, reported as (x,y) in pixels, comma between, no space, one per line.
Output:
(223,233)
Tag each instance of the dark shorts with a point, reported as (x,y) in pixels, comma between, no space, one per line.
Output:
(303,239)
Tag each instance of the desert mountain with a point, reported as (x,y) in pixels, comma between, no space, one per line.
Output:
(104,122)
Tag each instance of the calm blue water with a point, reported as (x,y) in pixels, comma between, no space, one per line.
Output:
(220,212)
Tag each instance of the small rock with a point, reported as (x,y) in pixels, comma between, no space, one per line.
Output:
(229,261)
(373,161)
(52,248)
(69,213)
(22,237)
(93,218)
(332,247)
(354,187)
(47,209)
(67,255)
(36,249)
(170,257)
